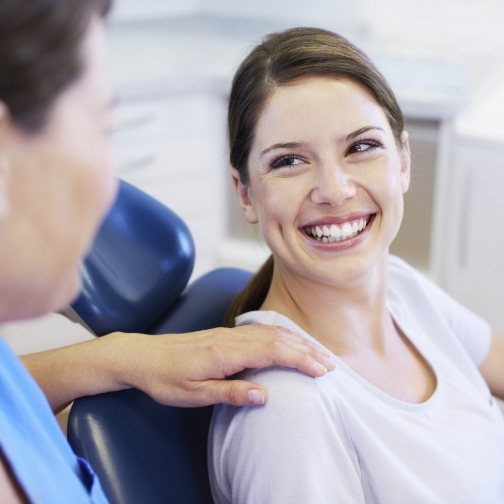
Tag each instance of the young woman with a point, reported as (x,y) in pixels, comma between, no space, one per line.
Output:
(56,183)
(321,161)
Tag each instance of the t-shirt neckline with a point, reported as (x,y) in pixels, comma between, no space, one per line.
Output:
(271,317)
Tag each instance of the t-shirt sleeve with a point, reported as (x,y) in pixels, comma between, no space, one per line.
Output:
(473,332)
(294,449)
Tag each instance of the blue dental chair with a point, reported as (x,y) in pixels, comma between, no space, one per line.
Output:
(135,280)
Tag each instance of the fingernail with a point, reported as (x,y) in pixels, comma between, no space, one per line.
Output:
(256,396)
(321,368)
(329,364)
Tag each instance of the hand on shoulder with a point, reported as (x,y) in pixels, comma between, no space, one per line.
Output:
(192,369)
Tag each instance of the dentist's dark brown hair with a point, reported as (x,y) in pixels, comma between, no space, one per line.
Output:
(283,58)
(40,53)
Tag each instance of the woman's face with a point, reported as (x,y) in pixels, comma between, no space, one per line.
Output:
(57,186)
(326,179)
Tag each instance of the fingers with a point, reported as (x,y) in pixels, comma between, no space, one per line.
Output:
(276,346)
(199,362)
(234,392)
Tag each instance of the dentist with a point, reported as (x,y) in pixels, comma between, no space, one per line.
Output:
(56,184)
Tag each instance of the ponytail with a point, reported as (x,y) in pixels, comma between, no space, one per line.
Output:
(254,294)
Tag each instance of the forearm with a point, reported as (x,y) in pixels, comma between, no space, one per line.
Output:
(86,368)
(180,370)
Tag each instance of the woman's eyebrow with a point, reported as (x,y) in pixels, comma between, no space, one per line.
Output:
(293,145)
(287,145)
(360,131)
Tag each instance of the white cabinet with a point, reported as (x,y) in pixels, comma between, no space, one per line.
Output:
(414,240)
(172,147)
(473,218)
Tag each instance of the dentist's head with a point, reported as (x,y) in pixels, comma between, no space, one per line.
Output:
(56,177)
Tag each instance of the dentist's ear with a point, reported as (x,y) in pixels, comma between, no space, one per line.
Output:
(3,111)
(243,193)
(405,156)
(5,167)
(4,186)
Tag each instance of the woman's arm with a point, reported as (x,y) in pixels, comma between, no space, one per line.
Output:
(492,367)
(180,370)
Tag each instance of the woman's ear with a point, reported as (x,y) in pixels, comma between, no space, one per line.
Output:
(244,197)
(405,156)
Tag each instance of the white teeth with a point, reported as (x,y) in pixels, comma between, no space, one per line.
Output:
(346,231)
(335,233)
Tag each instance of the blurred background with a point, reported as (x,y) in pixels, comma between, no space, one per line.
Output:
(173,60)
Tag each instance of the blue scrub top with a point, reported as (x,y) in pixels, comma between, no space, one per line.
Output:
(33,443)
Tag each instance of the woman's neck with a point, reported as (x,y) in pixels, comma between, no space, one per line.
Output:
(345,318)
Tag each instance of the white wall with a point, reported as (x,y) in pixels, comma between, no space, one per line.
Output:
(463,29)
(453,26)
(128,10)
(339,15)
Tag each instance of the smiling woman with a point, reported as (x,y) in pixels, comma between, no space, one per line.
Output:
(341,174)
(322,60)
(321,162)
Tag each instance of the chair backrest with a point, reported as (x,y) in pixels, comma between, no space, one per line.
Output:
(140,262)
(143,451)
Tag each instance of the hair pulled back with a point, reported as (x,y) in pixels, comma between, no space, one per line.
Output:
(283,58)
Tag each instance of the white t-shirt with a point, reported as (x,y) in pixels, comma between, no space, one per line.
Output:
(339,439)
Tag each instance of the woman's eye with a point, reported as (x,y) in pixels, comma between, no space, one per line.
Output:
(364,146)
(286,161)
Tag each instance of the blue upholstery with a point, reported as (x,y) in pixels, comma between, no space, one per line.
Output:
(142,451)
(126,291)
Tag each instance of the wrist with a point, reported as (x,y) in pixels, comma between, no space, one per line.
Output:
(122,354)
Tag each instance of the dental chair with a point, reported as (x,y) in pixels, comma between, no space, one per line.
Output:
(134,280)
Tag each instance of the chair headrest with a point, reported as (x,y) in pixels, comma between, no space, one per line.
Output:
(140,262)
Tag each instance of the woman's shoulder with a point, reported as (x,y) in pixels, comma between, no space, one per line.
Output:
(286,384)
(256,451)
(296,402)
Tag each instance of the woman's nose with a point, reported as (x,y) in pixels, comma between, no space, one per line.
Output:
(333,185)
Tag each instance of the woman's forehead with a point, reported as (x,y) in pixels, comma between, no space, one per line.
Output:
(314,105)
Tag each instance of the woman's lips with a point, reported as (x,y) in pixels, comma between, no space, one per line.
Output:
(332,233)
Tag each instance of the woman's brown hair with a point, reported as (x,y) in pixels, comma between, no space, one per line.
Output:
(40,53)
(280,59)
